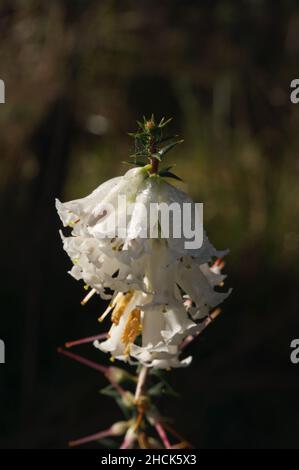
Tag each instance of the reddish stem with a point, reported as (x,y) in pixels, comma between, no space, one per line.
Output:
(92,437)
(83,360)
(105,370)
(128,440)
(154,165)
(160,430)
(90,339)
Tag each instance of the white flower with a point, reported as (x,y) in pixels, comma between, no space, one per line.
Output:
(161,289)
(160,328)
(150,324)
(99,261)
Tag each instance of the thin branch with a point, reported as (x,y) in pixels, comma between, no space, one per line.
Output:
(84,361)
(141,383)
(202,327)
(89,339)
(103,369)
(92,437)
(161,431)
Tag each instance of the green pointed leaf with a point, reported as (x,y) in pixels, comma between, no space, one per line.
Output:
(169,174)
(168,147)
(135,163)
(109,391)
(164,123)
(126,411)
(168,139)
(166,168)
(162,387)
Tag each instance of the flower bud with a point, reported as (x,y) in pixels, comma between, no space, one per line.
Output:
(119,375)
(119,428)
(149,125)
(128,399)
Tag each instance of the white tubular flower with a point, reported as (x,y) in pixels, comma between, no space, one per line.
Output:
(161,288)
(158,328)
(100,260)
(149,325)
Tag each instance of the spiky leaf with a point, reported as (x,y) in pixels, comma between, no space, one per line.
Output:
(169,174)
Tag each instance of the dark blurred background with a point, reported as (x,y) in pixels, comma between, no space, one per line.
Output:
(78,74)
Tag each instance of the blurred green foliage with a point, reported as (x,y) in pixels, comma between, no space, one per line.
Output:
(223,71)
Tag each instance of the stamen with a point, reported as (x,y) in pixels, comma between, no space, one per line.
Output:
(104,315)
(120,307)
(132,329)
(110,306)
(88,297)
(73,222)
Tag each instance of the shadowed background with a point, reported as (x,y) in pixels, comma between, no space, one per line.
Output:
(78,74)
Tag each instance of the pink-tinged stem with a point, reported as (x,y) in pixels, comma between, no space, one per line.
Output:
(92,437)
(186,341)
(126,444)
(128,440)
(83,360)
(90,339)
(213,315)
(160,430)
(117,387)
(178,436)
(103,369)
(141,382)
(203,326)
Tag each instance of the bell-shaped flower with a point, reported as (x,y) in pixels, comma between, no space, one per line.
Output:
(162,287)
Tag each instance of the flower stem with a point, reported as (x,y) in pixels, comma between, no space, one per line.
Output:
(90,339)
(141,383)
(92,437)
(84,361)
(161,431)
(103,369)
(154,165)
(129,439)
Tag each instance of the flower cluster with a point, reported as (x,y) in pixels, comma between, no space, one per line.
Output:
(159,291)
